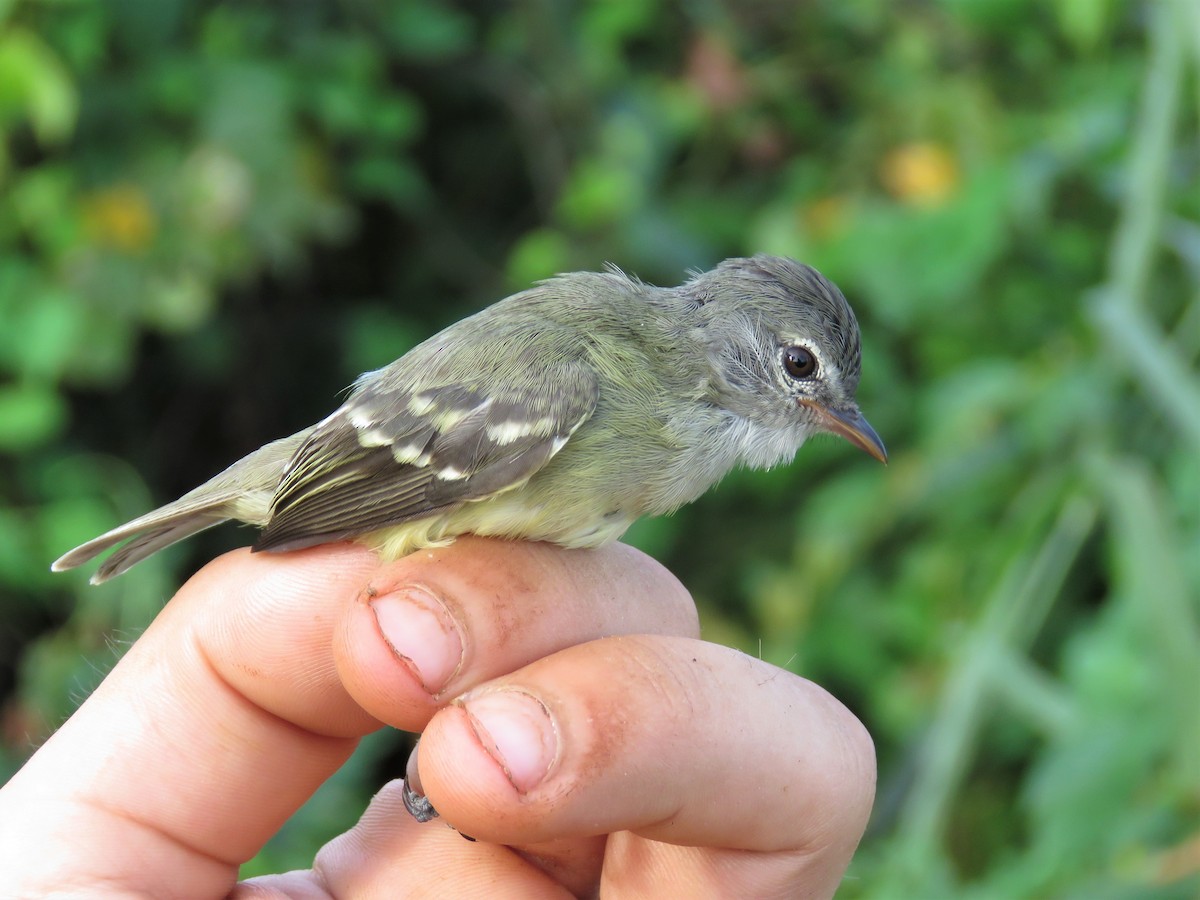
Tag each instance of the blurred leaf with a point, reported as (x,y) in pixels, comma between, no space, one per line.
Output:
(17,546)
(33,83)
(539,254)
(30,415)
(388,178)
(39,198)
(426,30)
(217,189)
(1085,22)
(44,330)
(600,193)
(179,304)
(376,336)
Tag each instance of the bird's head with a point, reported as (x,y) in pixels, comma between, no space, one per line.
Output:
(784,347)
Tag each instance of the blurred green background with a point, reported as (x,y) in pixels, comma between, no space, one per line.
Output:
(214,215)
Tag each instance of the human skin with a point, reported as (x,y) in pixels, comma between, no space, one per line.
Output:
(573,723)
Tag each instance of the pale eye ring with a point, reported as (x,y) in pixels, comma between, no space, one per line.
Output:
(799,362)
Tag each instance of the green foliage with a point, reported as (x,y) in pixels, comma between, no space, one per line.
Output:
(212,216)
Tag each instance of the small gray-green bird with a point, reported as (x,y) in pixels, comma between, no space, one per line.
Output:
(562,413)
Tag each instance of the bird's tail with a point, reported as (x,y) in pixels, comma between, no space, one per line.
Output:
(243,492)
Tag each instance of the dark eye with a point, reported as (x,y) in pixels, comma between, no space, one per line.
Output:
(799,362)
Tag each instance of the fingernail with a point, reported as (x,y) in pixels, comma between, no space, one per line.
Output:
(420,632)
(516,730)
(415,801)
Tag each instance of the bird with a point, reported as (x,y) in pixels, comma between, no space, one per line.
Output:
(562,413)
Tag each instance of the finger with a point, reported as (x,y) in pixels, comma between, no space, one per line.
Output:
(389,854)
(215,726)
(461,615)
(677,741)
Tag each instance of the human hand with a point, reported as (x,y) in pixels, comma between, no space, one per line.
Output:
(635,756)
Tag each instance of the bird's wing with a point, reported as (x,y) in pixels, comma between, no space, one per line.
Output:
(392,454)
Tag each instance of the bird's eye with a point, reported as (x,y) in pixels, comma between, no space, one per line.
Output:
(799,362)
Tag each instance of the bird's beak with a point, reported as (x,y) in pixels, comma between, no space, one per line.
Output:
(852,425)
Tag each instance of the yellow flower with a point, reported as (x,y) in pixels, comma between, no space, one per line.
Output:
(920,174)
(119,216)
